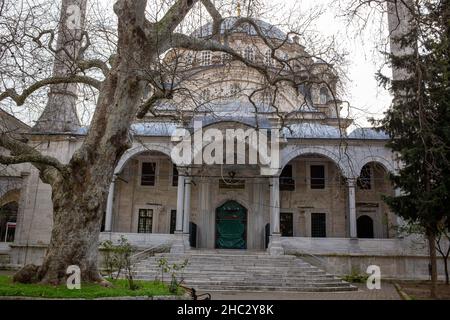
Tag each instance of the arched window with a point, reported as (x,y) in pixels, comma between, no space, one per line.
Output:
(324,96)
(226,57)
(267,99)
(206,58)
(189,59)
(268,60)
(235,88)
(249,54)
(365,178)
(206,95)
(8,218)
(364,226)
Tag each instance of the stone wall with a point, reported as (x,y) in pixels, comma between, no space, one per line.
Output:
(402,258)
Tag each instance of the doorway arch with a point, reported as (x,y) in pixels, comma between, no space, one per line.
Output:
(231,226)
(364,226)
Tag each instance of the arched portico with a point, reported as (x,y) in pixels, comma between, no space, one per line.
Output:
(129,154)
(339,157)
(164,149)
(385,163)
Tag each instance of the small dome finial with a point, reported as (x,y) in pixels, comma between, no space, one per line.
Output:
(238,8)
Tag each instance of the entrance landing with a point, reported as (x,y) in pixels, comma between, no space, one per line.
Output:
(227,252)
(243,270)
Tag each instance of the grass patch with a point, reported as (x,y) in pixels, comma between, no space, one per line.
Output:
(87,291)
(355,278)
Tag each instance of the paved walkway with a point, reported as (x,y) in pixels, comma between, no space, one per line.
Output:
(387,292)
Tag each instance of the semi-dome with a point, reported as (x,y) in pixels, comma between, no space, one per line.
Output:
(269,30)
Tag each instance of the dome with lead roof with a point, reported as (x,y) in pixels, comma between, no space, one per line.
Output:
(269,31)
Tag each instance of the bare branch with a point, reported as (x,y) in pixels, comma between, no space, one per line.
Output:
(95,63)
(19,99)
(174,16)
(216,16)
(24,153)
(145,108)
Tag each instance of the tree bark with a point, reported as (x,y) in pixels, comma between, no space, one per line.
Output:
(433,262)
(447,280)
(79,195)
(80,189)
(71,244)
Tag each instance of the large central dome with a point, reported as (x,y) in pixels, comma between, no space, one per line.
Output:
(269,30)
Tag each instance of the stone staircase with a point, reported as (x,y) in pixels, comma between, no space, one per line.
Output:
(244,271)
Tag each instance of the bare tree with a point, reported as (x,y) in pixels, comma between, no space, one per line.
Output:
(148,59)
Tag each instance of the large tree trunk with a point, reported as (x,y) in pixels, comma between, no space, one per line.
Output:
(79,195)
(75,234)
(433,262)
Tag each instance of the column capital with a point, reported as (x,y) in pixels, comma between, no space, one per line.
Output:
(351,182)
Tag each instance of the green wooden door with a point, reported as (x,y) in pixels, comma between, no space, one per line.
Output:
(231,226)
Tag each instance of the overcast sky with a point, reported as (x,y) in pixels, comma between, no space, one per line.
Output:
(367,99)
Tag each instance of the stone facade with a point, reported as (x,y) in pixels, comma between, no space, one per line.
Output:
(308,216)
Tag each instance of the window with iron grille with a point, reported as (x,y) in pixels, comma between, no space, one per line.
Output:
(145,222)
(286,224)
(317,177)
(318,225)
(364,180)
(268,60)
(226,57)
(249,54)
(174,176)
(206,58)
(148,174)
(287,183)
(173,221)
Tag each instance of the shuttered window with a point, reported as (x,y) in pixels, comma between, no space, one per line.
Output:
(317,177)
(148,174)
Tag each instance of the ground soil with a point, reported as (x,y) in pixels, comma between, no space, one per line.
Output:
(420,290)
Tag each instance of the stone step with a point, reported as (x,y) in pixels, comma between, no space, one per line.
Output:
(200,283)
(213,271)
(231,261)
(237,282)
(224,257)
(240,276)
(239,269)
(235,265)
(274,289)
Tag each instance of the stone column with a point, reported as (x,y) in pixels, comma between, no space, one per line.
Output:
(275,247)
(351,183)
(109,206)
(275,205)
(206,224)
(187,204)
(180,203)
(178,246)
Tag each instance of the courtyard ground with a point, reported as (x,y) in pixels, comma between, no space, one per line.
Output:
(420,290)
(387,292)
